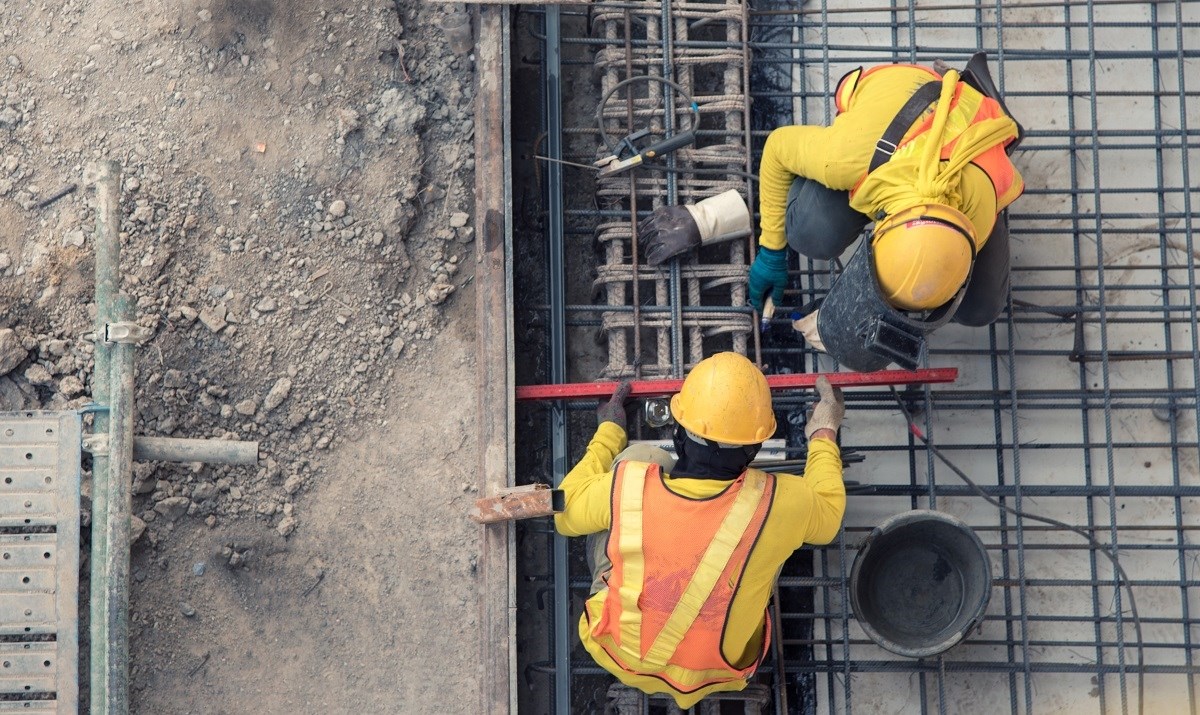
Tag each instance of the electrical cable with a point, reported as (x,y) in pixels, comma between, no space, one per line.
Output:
(608,142)
(1020,514)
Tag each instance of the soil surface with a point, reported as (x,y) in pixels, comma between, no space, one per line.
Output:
(298,234)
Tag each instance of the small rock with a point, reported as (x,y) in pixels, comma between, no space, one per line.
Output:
(204,491)
(337,209)
(293,484)
(188,313)
(173,379)
(266,305)
(173,508)
(70,386)
(397,346)
(137,527)
(459,219)
(186,609)
(217,291)
(73,238)
(211,520)
(212,320)
(38,375)
(57,348)
(315,79)
(198,568)
(12,353)
(5,261)
(439,292)
(286,526)
(9,118)
(279,392)
(246,407)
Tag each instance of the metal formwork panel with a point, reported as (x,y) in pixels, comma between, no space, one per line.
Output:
(39,561)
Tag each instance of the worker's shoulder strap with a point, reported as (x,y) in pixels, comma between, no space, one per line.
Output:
(916,105)
(712,564)
(977,75)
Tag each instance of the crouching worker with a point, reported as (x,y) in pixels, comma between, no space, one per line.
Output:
(684,553)
(925,157)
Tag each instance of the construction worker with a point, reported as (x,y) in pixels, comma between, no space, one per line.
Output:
(922,155)
(684,553)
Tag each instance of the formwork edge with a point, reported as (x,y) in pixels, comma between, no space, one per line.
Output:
(493,296)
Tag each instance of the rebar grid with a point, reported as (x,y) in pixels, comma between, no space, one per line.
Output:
(641,39)
(1080,403)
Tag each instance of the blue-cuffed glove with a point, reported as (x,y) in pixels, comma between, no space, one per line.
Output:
(768,274)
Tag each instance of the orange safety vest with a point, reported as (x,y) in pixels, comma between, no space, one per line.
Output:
(968,107)
(676,566)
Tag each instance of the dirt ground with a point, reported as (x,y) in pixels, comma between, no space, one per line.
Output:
(297,206)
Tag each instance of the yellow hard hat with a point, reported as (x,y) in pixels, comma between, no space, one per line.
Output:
(725,398)
(923,255)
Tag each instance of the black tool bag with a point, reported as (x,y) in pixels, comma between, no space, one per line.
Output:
(863,331)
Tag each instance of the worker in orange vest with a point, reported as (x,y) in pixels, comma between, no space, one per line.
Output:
(684,552)
(923,155)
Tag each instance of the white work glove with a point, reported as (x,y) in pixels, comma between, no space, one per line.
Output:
(807,326)
(828,413)
(671,230)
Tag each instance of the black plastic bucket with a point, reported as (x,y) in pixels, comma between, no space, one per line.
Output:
(920,582)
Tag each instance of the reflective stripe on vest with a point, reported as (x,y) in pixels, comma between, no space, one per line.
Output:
(661,618)
(968,107)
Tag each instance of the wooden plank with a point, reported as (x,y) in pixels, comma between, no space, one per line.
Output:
(493,296)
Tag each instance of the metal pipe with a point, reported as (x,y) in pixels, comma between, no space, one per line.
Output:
(113,585)
(107,175)
(209,451)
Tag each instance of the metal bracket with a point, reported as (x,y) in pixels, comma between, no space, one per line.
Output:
(126,332)
(96,444)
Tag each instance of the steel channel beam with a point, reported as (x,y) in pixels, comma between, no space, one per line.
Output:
(556,276)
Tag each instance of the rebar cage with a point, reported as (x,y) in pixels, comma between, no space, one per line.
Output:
(1080,403)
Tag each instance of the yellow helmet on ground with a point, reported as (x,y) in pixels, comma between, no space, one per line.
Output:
(923,255)
(725,398)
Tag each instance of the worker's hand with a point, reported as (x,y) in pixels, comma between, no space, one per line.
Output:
(669,231)
(614,409)
(672,230)
(828,413)
(807,326)
(768,274)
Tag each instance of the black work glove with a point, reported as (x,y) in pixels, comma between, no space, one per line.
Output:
(667,232)
(614,409)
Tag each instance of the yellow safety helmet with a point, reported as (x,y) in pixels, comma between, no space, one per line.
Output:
(923,255)
(725,398)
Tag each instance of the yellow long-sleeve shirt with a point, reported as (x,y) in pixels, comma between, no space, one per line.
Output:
(804,510)
(839,155)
